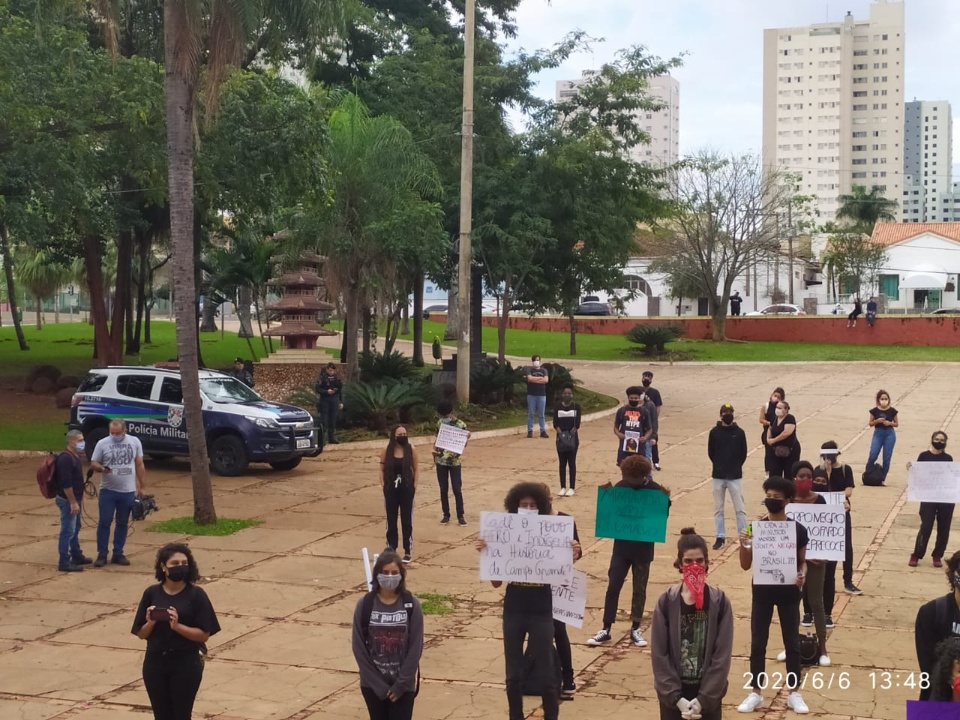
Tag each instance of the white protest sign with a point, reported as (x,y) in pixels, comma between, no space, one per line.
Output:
(833,498)
(451,438)
(775,552)
(826,526)
(526,548)
(570,601)
(366,568)
(936,482)
(631,442)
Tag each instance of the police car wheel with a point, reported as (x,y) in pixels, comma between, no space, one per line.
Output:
(228,456)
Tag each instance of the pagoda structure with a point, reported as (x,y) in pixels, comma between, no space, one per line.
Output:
(303,306)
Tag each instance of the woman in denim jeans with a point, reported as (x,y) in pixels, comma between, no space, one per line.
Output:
(884,421)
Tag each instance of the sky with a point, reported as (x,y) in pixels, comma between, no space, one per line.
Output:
(721,81)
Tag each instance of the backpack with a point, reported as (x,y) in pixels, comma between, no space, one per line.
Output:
(47,476)
(809,650)
(406,597)
(873,476)
(530,676)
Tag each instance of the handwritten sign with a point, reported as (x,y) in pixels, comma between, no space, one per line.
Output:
(526,548)
(929,710)
(570,601)
(833,498)
(452,438)
(936,482)
(826,525)
(775,552)
(628,514)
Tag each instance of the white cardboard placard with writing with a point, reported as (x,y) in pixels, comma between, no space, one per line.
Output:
(833,498)
(526,548)
(827,529)
(452,438)
(570,601)
(775,552)
(936,482)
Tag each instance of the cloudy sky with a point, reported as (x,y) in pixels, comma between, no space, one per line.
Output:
(722,78)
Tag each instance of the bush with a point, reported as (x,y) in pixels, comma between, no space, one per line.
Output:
(653,338)
(380,404)
(492,382)
(559,376)
(394,365)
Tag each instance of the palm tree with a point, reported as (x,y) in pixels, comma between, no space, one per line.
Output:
(42,276)
(865,209)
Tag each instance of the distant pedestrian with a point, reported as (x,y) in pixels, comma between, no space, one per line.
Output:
(768,415)
(388,642)
(537,379)
(566,422)
(119,459)
(884,421)
(241,373)
(448,465)
(871,311)
(938,620)
(329,391)
(942,513)
(69,475)
(653,395)
(735,301)
(398,479)
(782,438)
(857,312)
(633,426)
(727,450)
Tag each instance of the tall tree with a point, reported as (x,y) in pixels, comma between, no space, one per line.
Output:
(863,209)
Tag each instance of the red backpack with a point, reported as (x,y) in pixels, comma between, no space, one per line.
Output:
(47,476)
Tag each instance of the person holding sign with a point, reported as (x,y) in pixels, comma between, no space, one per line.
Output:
(528,615)
(937,621)
(448,464)
(566,421)
(833,475)
(691,638)
(632,426)
(629,556)
(784,597)
(883,420)
(398,479)
(942,513)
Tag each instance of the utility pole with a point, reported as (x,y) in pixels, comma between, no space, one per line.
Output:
(466,209)
(790,247)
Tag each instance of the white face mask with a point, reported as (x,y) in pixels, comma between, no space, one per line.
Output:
(536,363)
(781,413)
(528,511)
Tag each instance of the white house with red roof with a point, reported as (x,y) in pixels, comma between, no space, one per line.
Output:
(922,265)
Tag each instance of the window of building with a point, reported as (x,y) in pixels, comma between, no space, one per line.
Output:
(890,286)
(859,175)
(859,133)
(859,53)
(859,80)
(859,107)
(859,148)
(859,161)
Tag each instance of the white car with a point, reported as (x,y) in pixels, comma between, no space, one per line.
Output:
(781,309)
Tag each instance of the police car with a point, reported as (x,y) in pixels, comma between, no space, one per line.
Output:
(241,427)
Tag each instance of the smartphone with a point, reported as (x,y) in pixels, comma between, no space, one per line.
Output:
(160,614)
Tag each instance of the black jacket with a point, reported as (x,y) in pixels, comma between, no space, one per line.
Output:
(727,450)
(329,382)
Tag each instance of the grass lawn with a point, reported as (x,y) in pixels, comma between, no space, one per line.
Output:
(186,526)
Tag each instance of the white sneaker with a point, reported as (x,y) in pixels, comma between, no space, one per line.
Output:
(782,656)
(796,703)
(571,492)
(751,702)
(825,661)
(562,493)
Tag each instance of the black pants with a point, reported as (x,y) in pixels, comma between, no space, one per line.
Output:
(538,631)
(562,641)
(385,709)
(172,682)
(568,458)
(655,453)
(943,514)
(450,475)
(399,499)
(327,408)
(783,466)
(616,575)
(786,600)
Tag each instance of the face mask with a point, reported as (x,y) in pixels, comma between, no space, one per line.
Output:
(389,582)
(884,403)
(178,573)
(567,399)
(634,403)
(956,687)
(781,413)
(646,383)
(528,511)
(694,578)
(774,505)
(804,486)
(936,444)
(727,419)
(117,438)
(402,439)
(80,446)
(536,363)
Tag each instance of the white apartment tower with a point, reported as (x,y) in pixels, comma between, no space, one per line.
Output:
(833,104)
(927,156)
(663,126)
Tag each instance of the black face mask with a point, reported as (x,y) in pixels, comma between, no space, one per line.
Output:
(774,505)
(727,419)
(634,403)
(567,399)
(646,383)
(178,573)
(939,444)
(401,439)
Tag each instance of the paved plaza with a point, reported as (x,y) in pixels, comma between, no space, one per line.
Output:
(285,591)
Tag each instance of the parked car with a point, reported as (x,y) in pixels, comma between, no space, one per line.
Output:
(591,305)
(241,427)
(946,311)
(433,309)
(781,309)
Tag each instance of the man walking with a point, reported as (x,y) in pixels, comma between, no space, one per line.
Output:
(69,474)
(119,459)
(537,378)
(727,450)
(241,373)
(735,301)
(329,401)
(654,396)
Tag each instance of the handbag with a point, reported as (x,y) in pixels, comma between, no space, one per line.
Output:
(782,451)
(567,441)
(809,649)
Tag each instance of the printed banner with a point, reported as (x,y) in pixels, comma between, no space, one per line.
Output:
(526,548)
(629,514)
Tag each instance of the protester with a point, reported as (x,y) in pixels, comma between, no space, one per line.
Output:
(566,421)
(633,419)
(727,450)
(629,556)
(786,599)
(329,389)
(857,312)
(241,373)
(938,620)
(649,409)
(176,619)
(833,475)
(448,465)
(653,395)
(942,513)
(871,311)
(735,302)
(528,614)
(69,474)
(537,379)
(398,479)
(768,415)
(945,678)
(119,459)
(782,439)
(883,420)
(388,641)
(691,638)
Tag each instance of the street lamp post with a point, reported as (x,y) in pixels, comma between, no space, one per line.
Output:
(466,209)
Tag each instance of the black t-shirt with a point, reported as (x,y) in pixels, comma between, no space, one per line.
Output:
(537,389)
(889,414)
(776,428)
(528,599)
(693,640)
(193,610)
(69,474)
(927,456)
(654,395)
(567,417)
(839,480)
(630,419)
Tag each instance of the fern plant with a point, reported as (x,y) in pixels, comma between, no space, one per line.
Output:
(394,365)
(653,338)
(493,382)
(380,404)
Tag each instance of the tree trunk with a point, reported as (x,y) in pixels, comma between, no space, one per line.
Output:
(56,306)
(39,311)
(718,320)
(98,306)
(11,287)
(179,99)
(393,327)
(573,334)
(418,319)
(405,317)
(350,332)
(208,322)
(367,316)
(263,339)
(452,331)
(506,304)
(122,294)
(244,299)
(143,273)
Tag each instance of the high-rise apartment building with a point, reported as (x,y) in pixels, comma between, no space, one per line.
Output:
(663,126)
(928,194)
(833,104)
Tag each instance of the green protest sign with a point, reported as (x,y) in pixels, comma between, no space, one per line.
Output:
(629,514)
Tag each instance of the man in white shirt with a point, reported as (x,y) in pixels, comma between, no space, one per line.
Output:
(119,459)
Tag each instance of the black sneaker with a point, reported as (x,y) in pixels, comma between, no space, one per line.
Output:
(70,567)
(119,560)
(852,589)
(100,561)
(807,620)
(407,558)
(445,519)
(568,690)
(81,560)
(461,520)
(719,543)
(830,624)
(543,434)
(600,638)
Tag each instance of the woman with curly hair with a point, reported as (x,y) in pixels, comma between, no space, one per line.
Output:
(176,619)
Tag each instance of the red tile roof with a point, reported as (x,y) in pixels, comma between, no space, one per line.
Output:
(893,233)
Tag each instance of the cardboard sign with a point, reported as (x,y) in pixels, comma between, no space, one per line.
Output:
(452,438)
(935,482)
(775,552)
(629,514)
(526,548)
(631,442)
(570,601)
(826,525)
(833,498)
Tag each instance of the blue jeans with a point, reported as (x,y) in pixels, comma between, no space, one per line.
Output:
(69,543)
(536,404)
(735,488)
(884,438)
(119,504)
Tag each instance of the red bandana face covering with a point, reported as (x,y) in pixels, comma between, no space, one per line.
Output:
(956,688)
(694,577)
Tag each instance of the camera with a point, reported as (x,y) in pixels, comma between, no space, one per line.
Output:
(143,506)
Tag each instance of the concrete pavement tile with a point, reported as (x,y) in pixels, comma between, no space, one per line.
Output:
(371,536)
(30,709)
(216,563)
(462,556)
(111,712)
(43,668)
(312,646)
(15,503)
(336,611)
(107,586)
(28,525)
(253,504)
(898,650)
(258,539)
(269,600)
(436,701)
(42,551)
(17,576)
(31,619)
(447,659)
(308,570)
